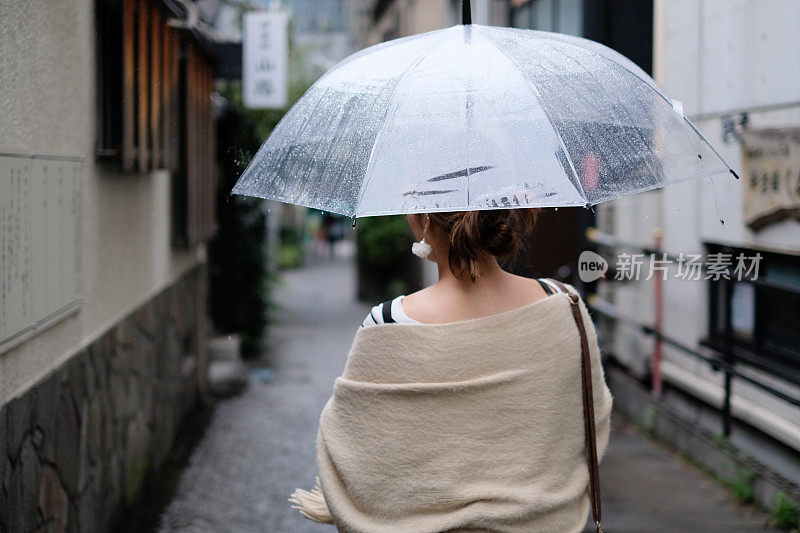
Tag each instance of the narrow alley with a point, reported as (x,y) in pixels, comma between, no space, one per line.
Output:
(194,192)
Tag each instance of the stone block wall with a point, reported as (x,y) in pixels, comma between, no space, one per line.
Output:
(76,448)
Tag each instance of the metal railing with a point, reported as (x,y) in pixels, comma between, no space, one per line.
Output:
(724,360)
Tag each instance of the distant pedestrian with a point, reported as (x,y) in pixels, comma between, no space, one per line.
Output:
(320,244)
(330,231)
(335,231)
(461,406)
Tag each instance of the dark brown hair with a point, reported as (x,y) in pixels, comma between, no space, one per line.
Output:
(473,236)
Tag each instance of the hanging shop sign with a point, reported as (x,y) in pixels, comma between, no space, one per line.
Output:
(265,54)
(772,171)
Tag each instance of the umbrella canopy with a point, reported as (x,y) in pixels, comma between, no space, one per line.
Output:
(478,117)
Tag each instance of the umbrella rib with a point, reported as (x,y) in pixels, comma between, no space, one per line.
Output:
(546,37)
(684,120)
(626,69)
(263,148)
(710,146)
(655,90)
(370,50)
(389,108)
(305,178)
(460,173)
(577,182)
(621,104)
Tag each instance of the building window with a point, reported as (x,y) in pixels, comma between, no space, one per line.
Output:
(763,313)
(137,62)
(154,105)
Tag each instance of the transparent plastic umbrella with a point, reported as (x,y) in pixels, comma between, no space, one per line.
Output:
(478,117)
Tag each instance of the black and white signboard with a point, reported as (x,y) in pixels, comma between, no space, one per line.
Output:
(41,210)
(265,50)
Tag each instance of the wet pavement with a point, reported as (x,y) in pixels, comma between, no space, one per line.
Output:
(260,445)
(647,489)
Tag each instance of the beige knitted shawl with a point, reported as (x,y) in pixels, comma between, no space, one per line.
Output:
(468,426)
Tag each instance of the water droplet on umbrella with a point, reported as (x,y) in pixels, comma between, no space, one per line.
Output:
(305,154)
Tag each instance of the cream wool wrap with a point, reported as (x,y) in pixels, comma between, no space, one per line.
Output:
(467,426)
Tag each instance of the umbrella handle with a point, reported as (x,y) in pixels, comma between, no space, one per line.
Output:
(466,12)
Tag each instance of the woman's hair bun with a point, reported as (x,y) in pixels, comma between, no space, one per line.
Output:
(474,235)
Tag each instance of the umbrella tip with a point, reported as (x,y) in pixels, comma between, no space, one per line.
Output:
(735,175)
(354,222)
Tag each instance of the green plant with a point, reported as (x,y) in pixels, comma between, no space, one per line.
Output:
(239,278)
(743,486)
(647,420)
(785,513)
(291,250)
(723,442)
(386,266)
(289,256)
(241,283)
(383,241)
(300,78)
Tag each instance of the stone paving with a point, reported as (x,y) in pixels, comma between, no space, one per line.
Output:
(260,445)
(646,489)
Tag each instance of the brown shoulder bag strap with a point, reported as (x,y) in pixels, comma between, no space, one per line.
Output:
(588,406)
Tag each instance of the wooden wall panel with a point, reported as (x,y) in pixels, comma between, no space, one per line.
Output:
(142,88)
(156,36)
(171,119)
(164,94)
(201,167)
(191,145)
(128,83)
(167,82)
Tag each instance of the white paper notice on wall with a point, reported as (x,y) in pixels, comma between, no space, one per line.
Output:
(41,210)
(265,54)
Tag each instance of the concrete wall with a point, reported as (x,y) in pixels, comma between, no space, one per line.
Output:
(714,56)
(90,405)
(48,106)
